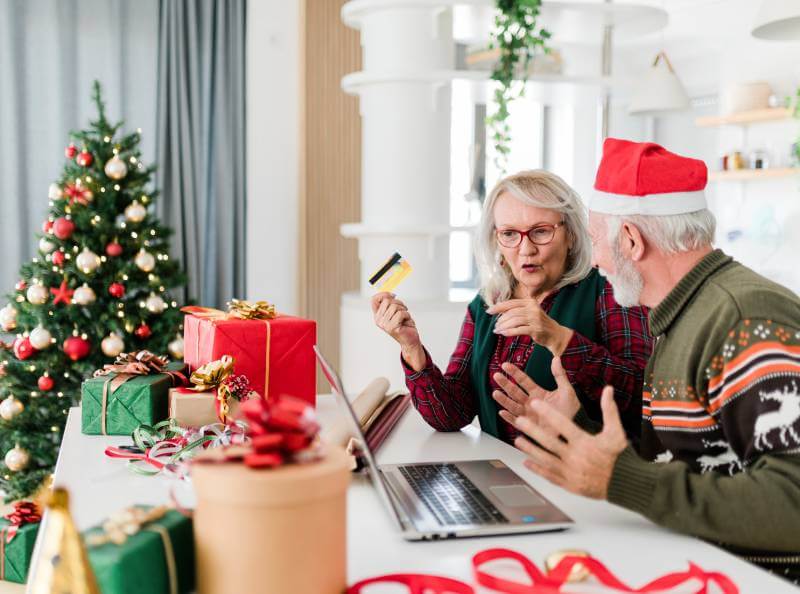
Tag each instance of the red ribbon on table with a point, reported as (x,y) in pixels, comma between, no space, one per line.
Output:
(25,512)
(541,583)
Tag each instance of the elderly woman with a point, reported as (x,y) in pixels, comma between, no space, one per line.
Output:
(541,309)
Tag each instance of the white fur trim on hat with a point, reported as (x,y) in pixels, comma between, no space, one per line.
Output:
(670,203)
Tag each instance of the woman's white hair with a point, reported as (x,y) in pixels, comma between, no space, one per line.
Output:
(545,190)
(672,234)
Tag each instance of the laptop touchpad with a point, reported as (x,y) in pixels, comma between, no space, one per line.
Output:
(516,495)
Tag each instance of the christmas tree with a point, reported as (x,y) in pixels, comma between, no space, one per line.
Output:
(98,286)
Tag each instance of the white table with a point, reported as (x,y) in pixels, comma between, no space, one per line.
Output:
(631,546)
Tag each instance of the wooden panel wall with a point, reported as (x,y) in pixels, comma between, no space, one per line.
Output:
(331,174)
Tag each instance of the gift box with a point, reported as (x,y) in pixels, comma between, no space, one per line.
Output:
(290,524)
(16,552)
(115,404)
(158,558)
(196,409)
(276,355)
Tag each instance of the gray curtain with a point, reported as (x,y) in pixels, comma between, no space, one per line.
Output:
(50,52)
(200,146)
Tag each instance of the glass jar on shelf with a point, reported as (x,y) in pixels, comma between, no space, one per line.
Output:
(759,159)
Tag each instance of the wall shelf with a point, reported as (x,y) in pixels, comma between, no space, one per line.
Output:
(743,118)
(753,174)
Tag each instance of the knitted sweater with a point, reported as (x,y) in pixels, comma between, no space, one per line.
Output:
(720,451)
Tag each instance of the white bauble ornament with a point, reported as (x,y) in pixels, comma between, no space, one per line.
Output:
(10,408)
(37,294)
(175,347)
(87,261)
(135,212)
(41,338)
(115,168)
(112,345)
(46,246)
(8,318)
(54,192)
(155,304)
(145,260)
(17,459)
(84,295)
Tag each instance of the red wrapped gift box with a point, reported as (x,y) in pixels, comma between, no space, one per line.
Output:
(276,355)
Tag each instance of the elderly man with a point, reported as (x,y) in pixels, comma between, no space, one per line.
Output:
(720,450)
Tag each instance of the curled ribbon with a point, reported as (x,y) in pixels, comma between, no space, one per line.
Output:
(127,366)
(212,376)
(25,512)
(251,310)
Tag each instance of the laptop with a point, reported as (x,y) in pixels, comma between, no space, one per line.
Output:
(452,499)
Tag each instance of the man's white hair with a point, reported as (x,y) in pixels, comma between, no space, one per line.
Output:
(672,234)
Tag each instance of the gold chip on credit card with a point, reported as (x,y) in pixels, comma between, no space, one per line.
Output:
(390,274)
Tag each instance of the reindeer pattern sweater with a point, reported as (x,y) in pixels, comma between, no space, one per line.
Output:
(720,450)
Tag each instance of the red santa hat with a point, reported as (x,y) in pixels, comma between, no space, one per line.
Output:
(646,179)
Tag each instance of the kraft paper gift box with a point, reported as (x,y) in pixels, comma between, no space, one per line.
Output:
(276,355)
(190,408)
(157,559)
(142,399)
(15,556)
(290,524)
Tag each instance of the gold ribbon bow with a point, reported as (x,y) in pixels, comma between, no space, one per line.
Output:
(127,366)
(251,310)
(128,522)
(212,376)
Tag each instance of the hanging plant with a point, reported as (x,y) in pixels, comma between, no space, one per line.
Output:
(517,36)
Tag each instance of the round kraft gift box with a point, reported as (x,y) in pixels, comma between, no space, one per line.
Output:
(277,530)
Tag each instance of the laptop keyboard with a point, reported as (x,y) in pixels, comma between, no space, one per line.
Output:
(450,496)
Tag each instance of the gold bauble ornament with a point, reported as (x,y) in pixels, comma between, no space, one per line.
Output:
(112,345)
(144,260)
(17,458)
(87,261)
(37,294)
(84,295)
(115,168)
(155,304)
(8,318)
(41,338)
(62,565)
(10,408)
(54,192)
(135,212)
(46,246)
(175,347)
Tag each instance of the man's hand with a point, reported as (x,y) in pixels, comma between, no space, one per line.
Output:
(573,459)
(520,317)
(519,390)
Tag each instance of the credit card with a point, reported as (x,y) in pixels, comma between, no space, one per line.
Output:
(391,274)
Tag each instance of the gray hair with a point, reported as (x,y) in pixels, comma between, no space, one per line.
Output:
(545,190)
(672,234)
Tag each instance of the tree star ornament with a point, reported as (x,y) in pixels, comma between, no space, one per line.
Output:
(63,294)
(10,408)
(17,458)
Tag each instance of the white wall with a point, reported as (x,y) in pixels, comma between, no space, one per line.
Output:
(274,111)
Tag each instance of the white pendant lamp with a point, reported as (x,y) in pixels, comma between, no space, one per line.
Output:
(777,20)
(660,90)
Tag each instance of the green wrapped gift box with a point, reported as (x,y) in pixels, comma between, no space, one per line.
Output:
(142,399)
(15,556)
(158,559)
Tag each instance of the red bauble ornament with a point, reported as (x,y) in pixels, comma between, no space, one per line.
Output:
(47,226)
(114,249)
(45,383)
(71,151)
(84,159)
(63,228)
(21,285)
(143,331)
(58,258)
(116,290)
(76,348)
(23,349)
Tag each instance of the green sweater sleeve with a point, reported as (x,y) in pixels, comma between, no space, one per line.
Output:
(754,509)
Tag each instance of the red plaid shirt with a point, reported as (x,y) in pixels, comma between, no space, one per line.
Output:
(447,401)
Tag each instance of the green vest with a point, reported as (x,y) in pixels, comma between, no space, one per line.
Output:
(573,307)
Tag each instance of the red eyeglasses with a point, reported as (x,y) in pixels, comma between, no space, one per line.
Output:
(539,235)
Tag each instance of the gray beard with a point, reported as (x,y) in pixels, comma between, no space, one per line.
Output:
(627,283)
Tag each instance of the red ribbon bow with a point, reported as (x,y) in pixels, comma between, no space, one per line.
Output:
(279,428)
(78,194)
(25,512)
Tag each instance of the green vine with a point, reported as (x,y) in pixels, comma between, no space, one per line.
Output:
(517,36)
